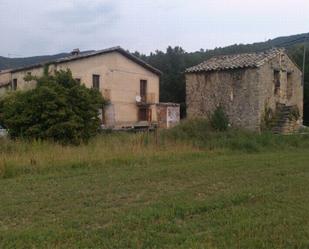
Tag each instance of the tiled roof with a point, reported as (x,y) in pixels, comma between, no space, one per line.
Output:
(227,62)
(95,53)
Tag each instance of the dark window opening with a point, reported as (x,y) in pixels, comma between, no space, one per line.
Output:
(277,81)
(290,85)
(143,90)
(96,81)
(14,84)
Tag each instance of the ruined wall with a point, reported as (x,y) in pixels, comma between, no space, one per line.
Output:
(290,92)
(168,115)
(5,81)
(236,91)
(162,114)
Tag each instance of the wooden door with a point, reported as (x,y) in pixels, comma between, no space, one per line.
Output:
(142,114)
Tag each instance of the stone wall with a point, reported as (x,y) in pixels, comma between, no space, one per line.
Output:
(236,91)
(245,94)
(168,115)
(5,81)
(290,92)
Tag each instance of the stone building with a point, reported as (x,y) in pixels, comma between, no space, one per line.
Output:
(129,84)
(254,89)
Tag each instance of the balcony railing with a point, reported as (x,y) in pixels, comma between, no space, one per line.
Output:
(149,98)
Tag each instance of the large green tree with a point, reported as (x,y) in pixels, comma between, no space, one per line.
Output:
(58,109)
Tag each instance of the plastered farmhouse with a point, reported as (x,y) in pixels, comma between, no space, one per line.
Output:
(129,84)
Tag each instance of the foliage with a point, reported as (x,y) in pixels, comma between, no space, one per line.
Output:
(219,121)
(294,114)
(200,133)
(19,156)
(268,119)
(58,109)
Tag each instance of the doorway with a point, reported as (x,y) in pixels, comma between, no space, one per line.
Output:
(144,114)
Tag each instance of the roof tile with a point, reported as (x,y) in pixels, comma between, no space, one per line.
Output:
(226,62)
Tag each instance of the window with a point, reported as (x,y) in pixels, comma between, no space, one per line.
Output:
(290,85)
(277,81)
(96,81)
(143,90)
(14,84)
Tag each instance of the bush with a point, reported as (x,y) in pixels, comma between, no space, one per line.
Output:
(219,120)
(58,109)
(197,129)
(198,133)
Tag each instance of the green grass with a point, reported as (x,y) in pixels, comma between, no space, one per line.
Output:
(219,190)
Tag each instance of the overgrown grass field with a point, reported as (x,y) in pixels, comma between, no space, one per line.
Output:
(188,187)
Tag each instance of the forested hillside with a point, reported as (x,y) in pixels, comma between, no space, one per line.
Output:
(175,60)
(6,63)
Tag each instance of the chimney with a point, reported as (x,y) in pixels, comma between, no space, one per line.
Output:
(75,52)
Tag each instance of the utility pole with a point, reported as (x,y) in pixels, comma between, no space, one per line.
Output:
(304,70)
(304,61)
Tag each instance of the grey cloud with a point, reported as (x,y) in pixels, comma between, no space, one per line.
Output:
(83,14)
(33,27)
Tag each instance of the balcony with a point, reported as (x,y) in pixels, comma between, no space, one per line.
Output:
(148,99)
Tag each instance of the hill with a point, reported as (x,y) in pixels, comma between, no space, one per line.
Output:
(6,63)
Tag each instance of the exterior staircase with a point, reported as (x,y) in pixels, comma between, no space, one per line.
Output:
(286,120)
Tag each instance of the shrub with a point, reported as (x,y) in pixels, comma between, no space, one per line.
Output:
(295,114)
(58,109)
(219,120)
(197,129)
(268,119)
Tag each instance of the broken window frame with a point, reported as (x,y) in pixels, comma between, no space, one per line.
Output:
(277,82)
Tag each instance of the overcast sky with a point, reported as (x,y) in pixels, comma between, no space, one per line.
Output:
(36,27)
